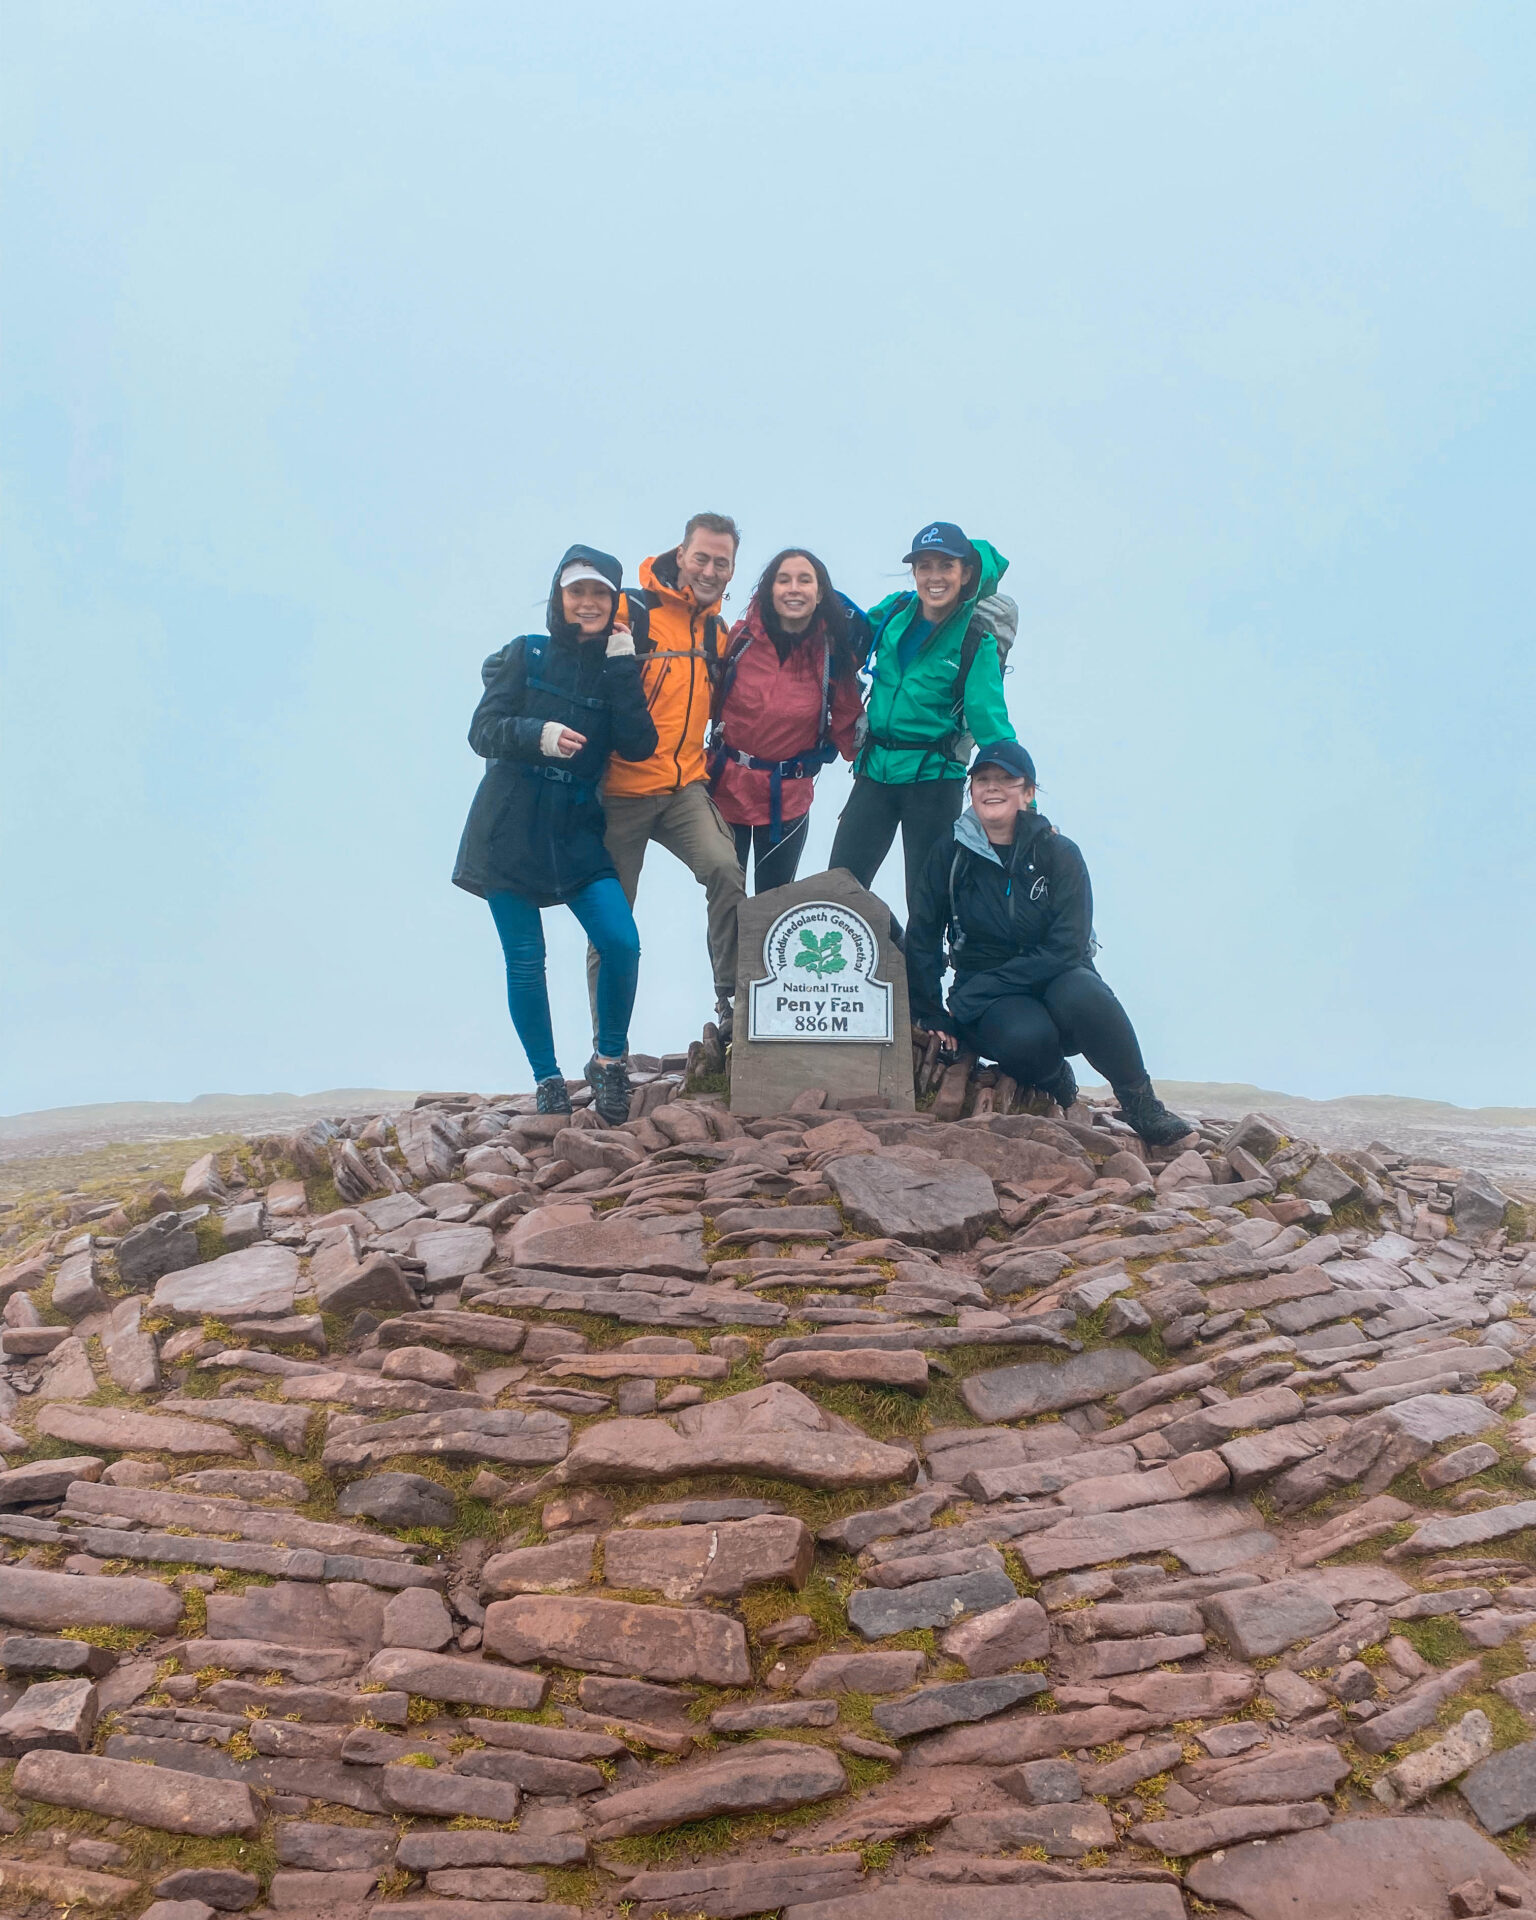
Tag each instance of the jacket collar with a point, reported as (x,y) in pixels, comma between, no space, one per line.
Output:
(659,574)
(753,623)
(971,835)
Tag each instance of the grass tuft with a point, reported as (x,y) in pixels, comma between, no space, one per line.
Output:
(115,1639)
(576,1886)
(1440,1639)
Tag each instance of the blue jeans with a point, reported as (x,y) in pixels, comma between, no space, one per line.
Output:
(610,926)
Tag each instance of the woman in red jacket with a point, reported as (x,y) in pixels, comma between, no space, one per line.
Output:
(788,703)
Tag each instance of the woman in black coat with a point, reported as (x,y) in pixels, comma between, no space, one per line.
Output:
(553,711)
(1014,898)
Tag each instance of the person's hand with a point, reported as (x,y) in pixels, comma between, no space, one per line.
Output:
(621,643)
(560,743)
(947,1041)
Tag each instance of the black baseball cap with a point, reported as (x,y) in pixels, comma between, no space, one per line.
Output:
(1010,756)
(941,536)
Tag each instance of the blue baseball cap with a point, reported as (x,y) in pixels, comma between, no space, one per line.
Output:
(941,536)
(1009,756)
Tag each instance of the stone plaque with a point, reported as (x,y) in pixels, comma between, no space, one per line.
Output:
(821,999)
(821,983)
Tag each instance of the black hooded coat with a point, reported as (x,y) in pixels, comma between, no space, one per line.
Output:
(535,826)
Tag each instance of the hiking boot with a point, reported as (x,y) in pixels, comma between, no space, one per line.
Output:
(609,1081)
(725,1021)
(711,1051)
(553,1096)
(1146,1115)
(1061,1086)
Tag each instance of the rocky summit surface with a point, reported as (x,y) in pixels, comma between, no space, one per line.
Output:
(477,1515)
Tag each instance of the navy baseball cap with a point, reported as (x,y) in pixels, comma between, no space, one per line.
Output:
(1009,756)
(941,536)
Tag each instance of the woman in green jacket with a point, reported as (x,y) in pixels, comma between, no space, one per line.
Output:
(936,685)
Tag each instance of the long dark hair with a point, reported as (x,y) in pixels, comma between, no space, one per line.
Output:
(830,617)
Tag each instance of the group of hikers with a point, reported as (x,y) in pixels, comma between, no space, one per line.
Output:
(640,716)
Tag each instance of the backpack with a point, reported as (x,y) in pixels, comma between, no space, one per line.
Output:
(997,615)
(637,608)
(639,600)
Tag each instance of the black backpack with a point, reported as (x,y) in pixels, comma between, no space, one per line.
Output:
(636,615)
(640,600)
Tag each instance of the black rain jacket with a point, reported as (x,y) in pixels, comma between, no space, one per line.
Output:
(535,826)
(1015,917)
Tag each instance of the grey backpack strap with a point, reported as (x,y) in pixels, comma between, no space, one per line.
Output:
(956,931)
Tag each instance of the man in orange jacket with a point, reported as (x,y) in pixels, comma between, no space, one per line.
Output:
(666,798)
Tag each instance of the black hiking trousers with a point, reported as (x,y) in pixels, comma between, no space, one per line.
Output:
(925,810)
(1029,1035)
(772,866)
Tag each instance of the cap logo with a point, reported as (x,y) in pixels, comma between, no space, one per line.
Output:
(930,537)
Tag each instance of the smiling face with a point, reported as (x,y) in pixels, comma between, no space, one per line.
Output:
(997,799)
(705,563)
(796,593)
(940,582)
(587,606)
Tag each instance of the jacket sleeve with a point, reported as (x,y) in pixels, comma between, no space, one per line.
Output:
(928,917)
(876,620)
(847,705)
(634,731)
(860,630)
(1068,940)
(500,730)
(986,709)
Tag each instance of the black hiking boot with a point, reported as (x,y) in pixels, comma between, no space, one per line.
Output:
(725,1021)
(1061,1087)
(609,1081)
(553,1096)
(1142,1111)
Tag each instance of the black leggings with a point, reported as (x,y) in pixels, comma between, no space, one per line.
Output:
(1029,1035)
(771,866)
(925,811)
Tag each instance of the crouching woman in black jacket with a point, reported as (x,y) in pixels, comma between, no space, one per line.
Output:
(553,711)
(1014,898)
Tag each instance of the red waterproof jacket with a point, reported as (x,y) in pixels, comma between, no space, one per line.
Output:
(772,710)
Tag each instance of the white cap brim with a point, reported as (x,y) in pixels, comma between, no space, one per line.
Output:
(579,570)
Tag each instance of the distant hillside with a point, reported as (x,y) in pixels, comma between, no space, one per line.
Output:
(56,1129)
(1369,1109)
(1501,1140)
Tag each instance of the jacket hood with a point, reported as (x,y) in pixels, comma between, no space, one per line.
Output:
(611,570)
(972,835)
(993,567)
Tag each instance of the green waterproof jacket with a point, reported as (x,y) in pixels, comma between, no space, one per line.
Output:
(919,704)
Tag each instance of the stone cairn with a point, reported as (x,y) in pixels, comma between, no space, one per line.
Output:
(486,1516)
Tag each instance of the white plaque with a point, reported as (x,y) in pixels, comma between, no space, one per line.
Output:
(820,960)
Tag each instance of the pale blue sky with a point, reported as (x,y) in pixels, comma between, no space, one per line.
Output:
(327,326)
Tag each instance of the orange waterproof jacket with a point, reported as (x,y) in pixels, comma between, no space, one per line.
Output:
(677,666)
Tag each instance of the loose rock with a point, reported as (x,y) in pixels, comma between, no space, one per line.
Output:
(613,1636)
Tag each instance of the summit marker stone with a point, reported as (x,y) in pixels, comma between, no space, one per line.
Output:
(821,997)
